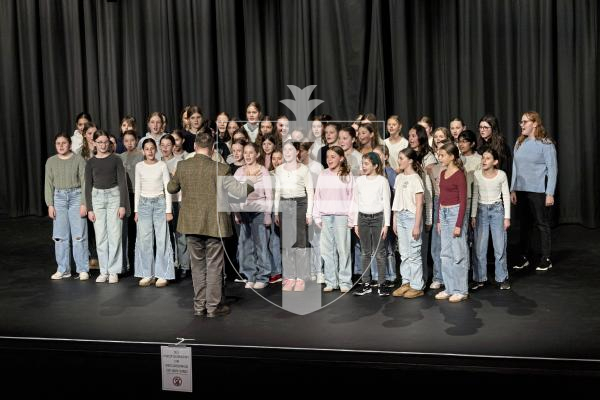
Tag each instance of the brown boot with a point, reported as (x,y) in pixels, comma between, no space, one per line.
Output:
(412,293)
(401,290)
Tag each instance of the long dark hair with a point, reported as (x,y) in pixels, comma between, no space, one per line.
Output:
(424,147)
(496,141)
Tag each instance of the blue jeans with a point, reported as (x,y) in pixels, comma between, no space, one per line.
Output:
(411,267)
(275,248)
(69,225)
(335,238)
(425,238)
(454,253)
(109,228)
(255,264)
(436,245)
(490,217)
(152,229)
(243,247)
(316,265)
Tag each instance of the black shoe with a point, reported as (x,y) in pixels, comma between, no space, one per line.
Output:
(374,284)
(544,265)
(383,291)
(477,285)
(200,312)
(389,284)
(522,263)
(220,311)
(505,285)
(363,289)
(184,273)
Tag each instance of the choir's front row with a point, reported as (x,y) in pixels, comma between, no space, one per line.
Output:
(344,213)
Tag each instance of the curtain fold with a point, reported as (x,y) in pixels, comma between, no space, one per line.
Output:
(441,58)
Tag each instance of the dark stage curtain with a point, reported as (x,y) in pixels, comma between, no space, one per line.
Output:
(442,58)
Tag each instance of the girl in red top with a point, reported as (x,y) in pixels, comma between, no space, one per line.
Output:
(451,225)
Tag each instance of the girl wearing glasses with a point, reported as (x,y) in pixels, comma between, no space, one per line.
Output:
(490,137)
(106,197)
(532,186)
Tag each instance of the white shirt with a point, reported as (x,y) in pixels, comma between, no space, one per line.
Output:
(490,191)
(372,195)
(394,149)
(405,188)
(290,184)
(172,167)
(355,162)
(151,180)
(472,163)
(76,142)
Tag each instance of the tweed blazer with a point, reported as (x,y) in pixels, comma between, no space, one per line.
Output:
(197,178)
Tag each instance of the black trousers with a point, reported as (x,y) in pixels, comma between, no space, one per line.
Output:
(535,219)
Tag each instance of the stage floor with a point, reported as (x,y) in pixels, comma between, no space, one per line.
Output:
(545,320)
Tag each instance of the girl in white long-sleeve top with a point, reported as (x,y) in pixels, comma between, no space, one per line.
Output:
(153,210)
(490,211)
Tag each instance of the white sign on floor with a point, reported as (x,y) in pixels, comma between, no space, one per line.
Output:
(176,362)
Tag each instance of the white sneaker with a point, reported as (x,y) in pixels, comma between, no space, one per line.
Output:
(344,289)
(260,285)
(145,282)
(60,275)
(327,289)
(442,296)
(102,278)
(435,285)
(249,285)
(456,298)
(160,282)
(84,276)
(113,278)
(320,277)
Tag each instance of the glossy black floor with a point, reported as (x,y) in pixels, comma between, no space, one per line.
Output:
(548,325)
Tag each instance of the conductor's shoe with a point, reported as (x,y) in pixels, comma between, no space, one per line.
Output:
(220,311)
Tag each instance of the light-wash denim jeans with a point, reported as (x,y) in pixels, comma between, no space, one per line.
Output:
(108,227)
(373,248)
(275,248)
(425,239)
(243,248)
(454,253)
(436,245)
(316,264)
(255,264)
(335,250)
(152,230)
(490,217)
(411,267)
(69,226)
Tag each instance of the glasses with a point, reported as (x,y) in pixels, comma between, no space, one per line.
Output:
(523,122)
(484,127)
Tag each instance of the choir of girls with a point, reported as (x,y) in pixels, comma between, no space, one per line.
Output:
(443,192)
